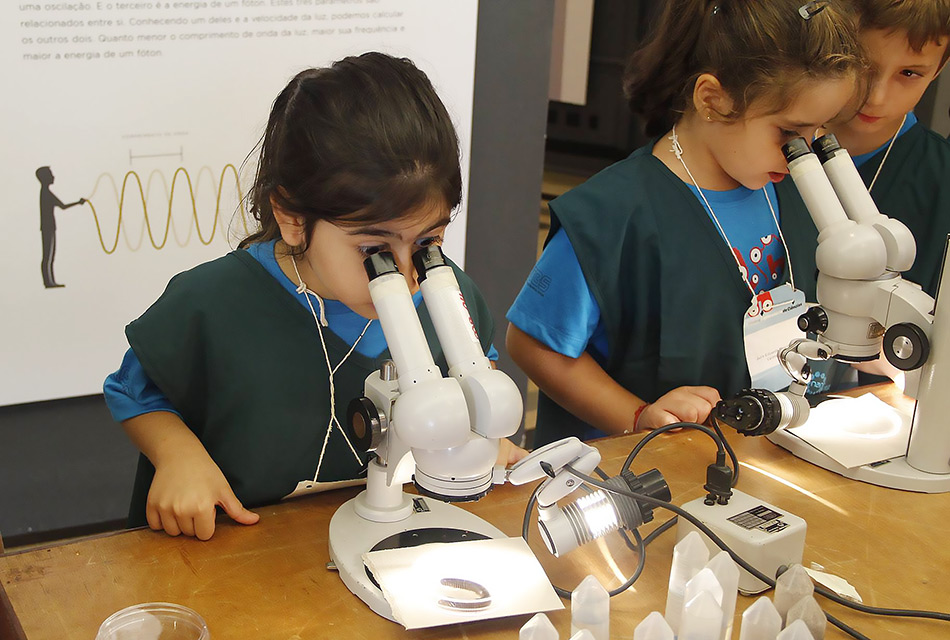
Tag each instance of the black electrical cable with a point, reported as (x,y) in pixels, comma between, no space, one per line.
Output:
(716,434)
(722,445)
(563,593)
(933,615)
(661,430)
(656,533)
(819,589)
(728,447)
(881,611)
(640,548)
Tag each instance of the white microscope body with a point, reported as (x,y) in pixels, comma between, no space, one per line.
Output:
(864,307)
(441,433)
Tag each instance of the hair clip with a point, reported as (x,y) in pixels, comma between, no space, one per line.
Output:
(810,9)
(715,9)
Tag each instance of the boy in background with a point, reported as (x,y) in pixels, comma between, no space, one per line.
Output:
(905,165)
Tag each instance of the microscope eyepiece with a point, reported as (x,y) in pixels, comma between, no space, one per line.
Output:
(428,258)
(795,149)
(826,146)
(380,264)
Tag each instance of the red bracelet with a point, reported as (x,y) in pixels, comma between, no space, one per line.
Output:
(636,415)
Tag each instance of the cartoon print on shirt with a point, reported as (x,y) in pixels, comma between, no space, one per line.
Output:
(763,304)
(768,270)
(744,270)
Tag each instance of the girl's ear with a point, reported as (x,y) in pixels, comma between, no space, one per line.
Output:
(710,99)
(291,226)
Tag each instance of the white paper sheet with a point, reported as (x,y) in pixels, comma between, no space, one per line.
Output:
(856,431)
(505,567)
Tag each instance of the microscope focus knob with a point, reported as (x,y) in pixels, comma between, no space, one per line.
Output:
(815,320)
(906,346)
(365,424)
(751,412)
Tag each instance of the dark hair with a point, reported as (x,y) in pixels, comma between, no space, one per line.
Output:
(362,141)
(755,48)
(924,21)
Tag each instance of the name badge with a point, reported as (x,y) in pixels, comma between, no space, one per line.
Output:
(769,325)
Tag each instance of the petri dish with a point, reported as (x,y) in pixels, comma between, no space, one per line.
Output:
(154,621)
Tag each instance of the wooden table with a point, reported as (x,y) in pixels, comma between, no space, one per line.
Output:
(270,581)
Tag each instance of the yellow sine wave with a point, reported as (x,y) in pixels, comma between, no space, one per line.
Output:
(169,192)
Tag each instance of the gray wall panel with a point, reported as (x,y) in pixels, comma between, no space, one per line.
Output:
(511,98)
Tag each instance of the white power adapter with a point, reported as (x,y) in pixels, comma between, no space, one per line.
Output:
(763,535)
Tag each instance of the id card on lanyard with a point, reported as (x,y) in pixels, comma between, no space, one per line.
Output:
(769,325)
(771,322)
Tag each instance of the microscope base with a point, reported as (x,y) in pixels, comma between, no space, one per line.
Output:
(893,474)
(352,535)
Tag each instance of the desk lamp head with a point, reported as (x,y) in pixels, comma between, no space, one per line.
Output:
(594,514)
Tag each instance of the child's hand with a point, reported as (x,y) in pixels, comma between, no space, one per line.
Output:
(184,494)
(509,453)
(682,404)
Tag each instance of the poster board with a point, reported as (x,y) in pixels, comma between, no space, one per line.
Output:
(147,111)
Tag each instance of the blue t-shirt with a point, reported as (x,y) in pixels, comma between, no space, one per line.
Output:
(129,392)
(557,308)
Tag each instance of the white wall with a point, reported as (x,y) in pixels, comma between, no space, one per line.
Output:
(154,94)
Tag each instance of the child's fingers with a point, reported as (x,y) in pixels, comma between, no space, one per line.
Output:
(171,524)
(187,526)
(233,507)
(703,407)
(661,418)
(153,517)
(690,407)
(709,394)
(204,525)
(509,452)
(683,409)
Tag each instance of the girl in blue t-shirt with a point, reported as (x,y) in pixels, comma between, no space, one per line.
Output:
(631,320)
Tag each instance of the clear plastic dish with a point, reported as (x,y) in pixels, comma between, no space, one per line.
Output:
(154,621)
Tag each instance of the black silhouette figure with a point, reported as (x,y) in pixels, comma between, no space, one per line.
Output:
(48,204)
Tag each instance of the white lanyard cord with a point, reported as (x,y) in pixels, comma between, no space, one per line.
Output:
(321,322)
(887,153)
(678,152)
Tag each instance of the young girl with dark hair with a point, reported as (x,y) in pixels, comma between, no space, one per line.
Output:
(238,376)
(633,317)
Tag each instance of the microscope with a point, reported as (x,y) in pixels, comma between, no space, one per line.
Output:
(441,433)
(864,307)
